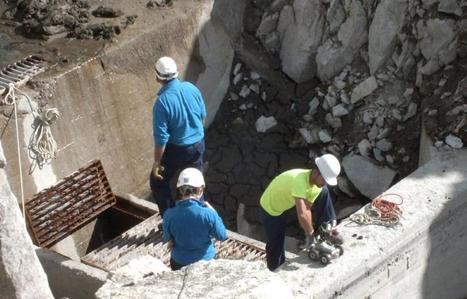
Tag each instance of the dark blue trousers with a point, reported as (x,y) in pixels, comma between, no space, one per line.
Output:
(322,211)
(175,159)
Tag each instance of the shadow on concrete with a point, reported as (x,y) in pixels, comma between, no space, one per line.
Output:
(445,275)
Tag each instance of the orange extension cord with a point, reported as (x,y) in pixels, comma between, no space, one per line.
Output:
(380,212)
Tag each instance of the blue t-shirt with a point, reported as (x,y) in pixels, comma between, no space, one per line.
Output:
(191,225)
(178,114)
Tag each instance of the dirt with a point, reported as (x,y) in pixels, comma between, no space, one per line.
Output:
(64,47)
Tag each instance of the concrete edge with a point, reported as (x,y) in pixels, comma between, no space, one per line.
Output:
(69,278)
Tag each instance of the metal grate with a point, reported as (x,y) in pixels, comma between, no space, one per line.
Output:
(56,212)
(20,72)
(146,239)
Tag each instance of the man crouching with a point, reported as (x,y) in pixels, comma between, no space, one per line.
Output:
(191,224)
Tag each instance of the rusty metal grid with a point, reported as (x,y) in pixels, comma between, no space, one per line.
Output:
(58,211)
(146,239)
(20,72)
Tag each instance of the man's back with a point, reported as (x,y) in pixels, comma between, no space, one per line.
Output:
(191,226)
(280,195)
(178,114)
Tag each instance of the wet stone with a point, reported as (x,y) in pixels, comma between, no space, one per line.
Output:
(106,12)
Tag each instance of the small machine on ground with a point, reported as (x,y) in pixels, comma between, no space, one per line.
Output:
(328,246)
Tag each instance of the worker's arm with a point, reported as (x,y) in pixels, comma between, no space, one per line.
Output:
(161,136)
(158,152)
(218,230)
(304,215)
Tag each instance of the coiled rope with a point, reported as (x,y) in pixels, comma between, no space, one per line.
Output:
(380,212)
(42,147)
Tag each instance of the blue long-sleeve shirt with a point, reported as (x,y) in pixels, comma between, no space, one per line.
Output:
(178,114)
(191,225)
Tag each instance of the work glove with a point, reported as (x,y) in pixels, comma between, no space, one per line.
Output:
(157,170)
(310,239)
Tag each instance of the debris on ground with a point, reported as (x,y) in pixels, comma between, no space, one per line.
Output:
(355,82)
(107,12)
(159,3)
(48,19)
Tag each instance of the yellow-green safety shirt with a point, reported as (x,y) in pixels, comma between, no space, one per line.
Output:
(281,193)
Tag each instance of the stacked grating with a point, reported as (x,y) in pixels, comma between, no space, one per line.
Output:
(20,72)
(56,212)
(146,239)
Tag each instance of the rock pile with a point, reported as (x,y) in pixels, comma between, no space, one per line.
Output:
(64,18)
(386,68)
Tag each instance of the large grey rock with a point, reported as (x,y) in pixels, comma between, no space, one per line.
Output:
(233,25)
(21,274)
(218,55)
(264,123)
(429,3)
(331,59)
(371,180)
(268,24)
(301,39)
(438,43)
(450,7)
(364,89)
(335,16)
(387,23)
(214,279)
(454,142)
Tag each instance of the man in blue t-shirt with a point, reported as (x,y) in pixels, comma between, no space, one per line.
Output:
(191,224)
(178,127)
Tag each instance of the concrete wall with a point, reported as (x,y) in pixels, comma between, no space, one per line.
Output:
(106,102)
(422,257)
(68,278)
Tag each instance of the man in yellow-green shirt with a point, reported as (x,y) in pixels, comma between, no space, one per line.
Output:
(306,190)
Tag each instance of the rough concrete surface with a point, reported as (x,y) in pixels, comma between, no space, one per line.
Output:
(21,274)
(68,278)
(216,279)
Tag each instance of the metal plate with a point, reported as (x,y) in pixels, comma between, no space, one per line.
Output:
(58,211)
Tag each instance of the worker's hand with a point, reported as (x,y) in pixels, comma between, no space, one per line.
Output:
(157,170)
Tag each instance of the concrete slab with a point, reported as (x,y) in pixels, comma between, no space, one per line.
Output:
(68,278)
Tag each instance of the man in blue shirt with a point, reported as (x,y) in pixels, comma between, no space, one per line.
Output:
(178,127)
(191,224)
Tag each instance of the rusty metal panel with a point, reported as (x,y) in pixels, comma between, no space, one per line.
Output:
(58,211)
(146,239)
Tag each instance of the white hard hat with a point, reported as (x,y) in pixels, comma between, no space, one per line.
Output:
(329,167)
(190,177)
(166,68)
